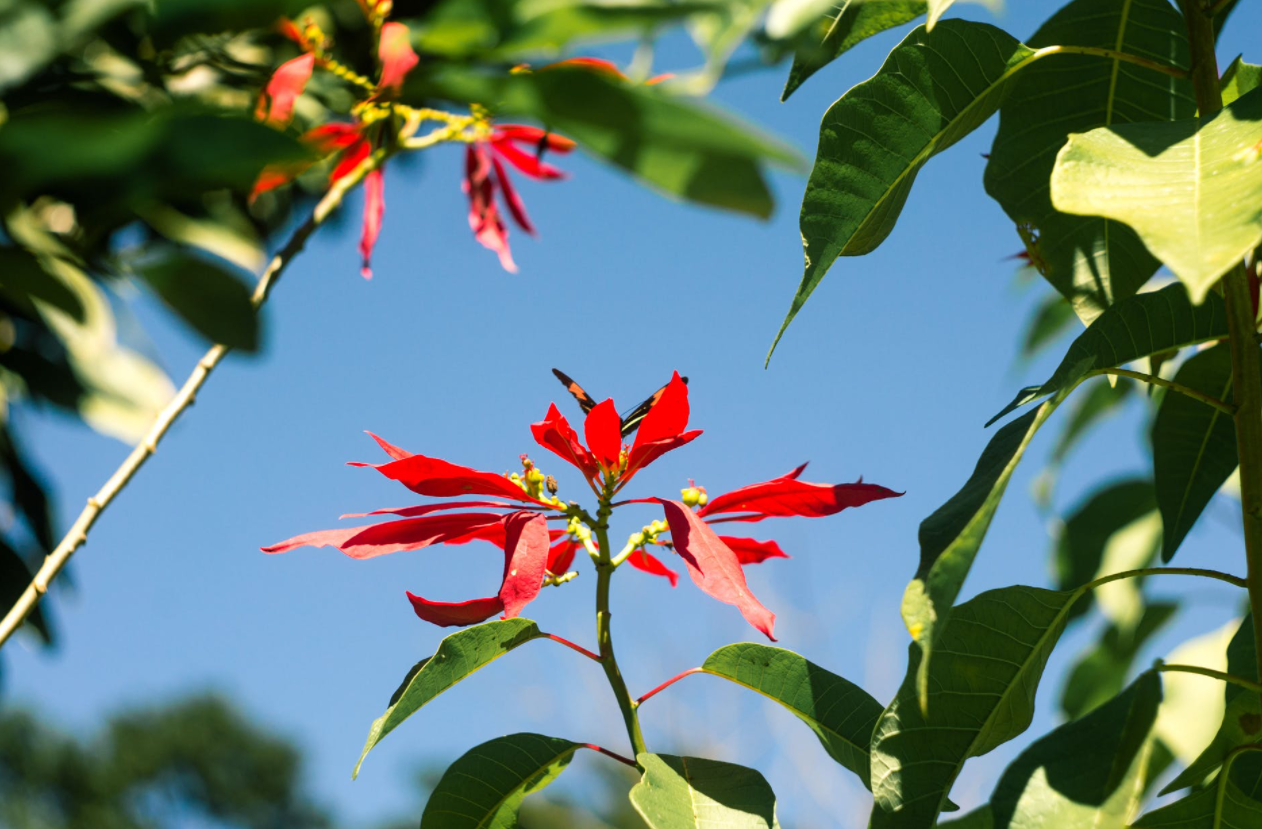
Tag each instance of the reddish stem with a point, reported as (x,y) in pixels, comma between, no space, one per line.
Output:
(609,753)
(668,683)
(584,651)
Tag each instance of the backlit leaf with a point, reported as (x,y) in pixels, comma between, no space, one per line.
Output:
(848,24)
(1240,78)
(214,301)
(1101,671)
(693,793)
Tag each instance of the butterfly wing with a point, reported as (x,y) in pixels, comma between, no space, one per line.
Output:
(631,420)
(585,401)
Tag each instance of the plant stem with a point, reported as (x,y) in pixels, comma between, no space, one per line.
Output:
(77,535)
(1152,379)
(628,761)
(604,633)
(1230,679)
(1143,572)
(579,648)
(667,684)
(1246,367)
(1112,54)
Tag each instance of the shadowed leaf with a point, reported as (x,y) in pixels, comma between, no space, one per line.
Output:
(693,793)
(214,301)
(848,24)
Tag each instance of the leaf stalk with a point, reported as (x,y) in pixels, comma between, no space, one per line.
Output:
(1155,380)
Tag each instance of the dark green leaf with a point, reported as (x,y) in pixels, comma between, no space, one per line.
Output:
(1241,725)
(486,786)
(1135,327)
(15,575)
(854,22)
(23,279)
(214,301)
(1093,262)
(26,490)
(981,686)
(459,655)
(934,89)
(1053,317)
(1242,657)
(674,144)
(839,712)
(693,793)
(175,18)
(1101,671)
(1220,806)
(1193,445)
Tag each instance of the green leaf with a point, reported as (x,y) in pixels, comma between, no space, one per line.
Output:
(1220,806)
(485,787)
(1240,78)
(1086,774)
(1242,724)
(938,7)
(1193,445)
(1135,327)
(28,40)
(952,535)
(1101,671)
(846,27)
(933,89)
(981,686)
(1053,317)
(839,712)
(674,144)
(459,655)
(693,793)
(1242,657)
(23,281)
(1191,189)
(214,301)
(175,18)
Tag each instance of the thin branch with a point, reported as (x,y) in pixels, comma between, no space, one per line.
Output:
(584,651)
(667,684)
(1235,581)
(1231,679)
(1111,54)
(1209,400)
(609,753)
(77,536)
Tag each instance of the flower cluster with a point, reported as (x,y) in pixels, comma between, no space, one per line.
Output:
(517,519)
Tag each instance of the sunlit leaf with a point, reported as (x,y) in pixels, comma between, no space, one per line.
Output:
(1179,185)
(208,296)
(459,655)
(1091,261)
(1221,805)
(848,24)
(485,787)
(1101,671)
(693,793)
(1242,724)
(28,40)
(1240,78)
(839,712)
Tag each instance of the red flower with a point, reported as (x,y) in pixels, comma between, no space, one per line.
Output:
(485,173)
(394,51)
(276,101)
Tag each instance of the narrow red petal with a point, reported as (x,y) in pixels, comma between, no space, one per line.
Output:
(440,479)
(713,566)
(752,551)
(788,496)
(456,614)
(647,562)
(528,163)
(597,65)
(374,210)
(389,448)
(647,453)
(328,138)
(276,102)
(525,559)
(555,434)
(484,217)
(426,509)
(665,422)
(397,58)
(516,208)
(351,158)
(561,556)
(392,536)
(533,135)
(603,430)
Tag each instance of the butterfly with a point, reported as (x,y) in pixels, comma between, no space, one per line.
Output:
(630,420)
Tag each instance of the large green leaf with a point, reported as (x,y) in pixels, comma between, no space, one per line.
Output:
(1193,445)
(933,89)
(1242,657)
(675,144)
(981,686)
(1135,327)
(839,712)
(952,535)
(1101,671)
(459,655)
(1086,774)
(1240,78)
(485,787)
(1191,189)
(1091,261)
(848,24)
(692,793)
(214,301)
(1221,805)
(1242,724)
(23,282)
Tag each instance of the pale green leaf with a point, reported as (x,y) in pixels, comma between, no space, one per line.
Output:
(1242,724)
(458,656)
(938,7)
(839,712)
(692,793)
(849,23)
(1191,189)
(1240,78)
(1193,707)
(1101,671)
(1091,261)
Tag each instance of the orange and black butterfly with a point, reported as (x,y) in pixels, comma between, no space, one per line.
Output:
(630,420)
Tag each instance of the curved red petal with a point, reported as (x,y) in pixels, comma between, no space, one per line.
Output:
(328,138)
(516,208)
(528,163)
(389,448)
(440,479)
(392,536)
(787,496)
(397,58)
(664,422)
(276,101)
(752,551)
(374,210)
(484,217)
(561,556)
(533,135)
(456,614)
(426,509)
(713,566)
(351,158)
(603,430)
(555,434)
(649,563)
(526,548)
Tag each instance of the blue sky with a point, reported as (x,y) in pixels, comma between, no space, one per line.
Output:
(889,373)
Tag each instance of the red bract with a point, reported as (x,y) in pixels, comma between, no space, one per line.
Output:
(787,496)
(276,101)
(647,562)
(394,50)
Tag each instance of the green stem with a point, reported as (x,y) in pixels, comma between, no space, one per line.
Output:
(1230,679)
(1111,54)
(1152,379)
(1246,366)
(604,632)
(1143,572)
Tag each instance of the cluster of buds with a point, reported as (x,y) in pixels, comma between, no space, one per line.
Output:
(648,534)
(534,483)
(693,495)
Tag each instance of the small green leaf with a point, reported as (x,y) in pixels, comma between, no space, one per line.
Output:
(1191,189)
(485,787)
(1221,805)
(1240,78)
(1101,671)
(1086,774)
(933,89)
(846,26)
(459,655)
(1193,445)
(1135,327)
(693,793)
(214,301)
(980,687)
(839,712)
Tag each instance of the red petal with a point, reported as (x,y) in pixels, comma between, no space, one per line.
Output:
(598,65)
(555,434)
(456,614)
(713,565)
(276,175)
(374,210)
(516,208)
(649,563)
(389,448)
(397,58)
(276,102)
(290,30)
(561,556)
(393,536)
(426,509)
(788,496)
(603,430)
(662,426)
(484,217)
(525,559)
(656,79)
(528,163)
(351,159)
(533,135)
(438,478)
(328,138)
(752,551)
